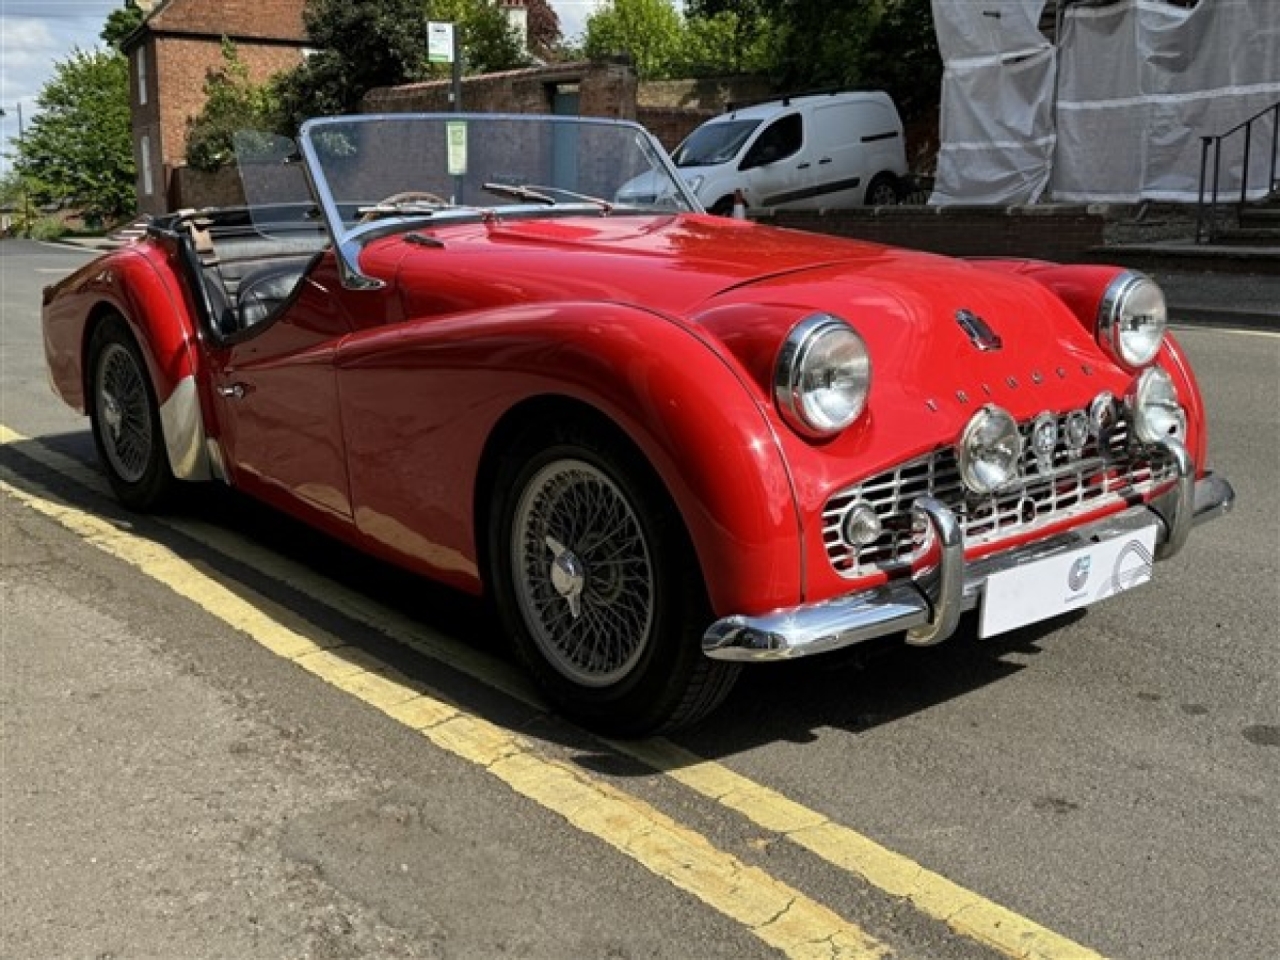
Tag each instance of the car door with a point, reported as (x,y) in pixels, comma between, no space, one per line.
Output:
(275,391)
(774,165)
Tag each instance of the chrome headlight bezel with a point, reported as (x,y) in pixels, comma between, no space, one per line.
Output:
(990,450)
(1156,409)
(1132,320)
(822,376)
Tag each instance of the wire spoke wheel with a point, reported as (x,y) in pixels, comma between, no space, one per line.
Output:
(124,412)
(125,418)
(583,574)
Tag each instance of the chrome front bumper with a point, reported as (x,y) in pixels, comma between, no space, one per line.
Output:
(927,609)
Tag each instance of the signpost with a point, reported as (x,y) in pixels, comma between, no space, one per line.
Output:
(442,47)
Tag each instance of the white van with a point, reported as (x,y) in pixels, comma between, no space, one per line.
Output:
(799,153)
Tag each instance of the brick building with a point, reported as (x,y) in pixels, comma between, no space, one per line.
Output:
(171,55)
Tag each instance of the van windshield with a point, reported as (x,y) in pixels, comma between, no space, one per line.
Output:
(713,143)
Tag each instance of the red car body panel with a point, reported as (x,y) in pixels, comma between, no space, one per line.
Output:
(368,412)
(139,283)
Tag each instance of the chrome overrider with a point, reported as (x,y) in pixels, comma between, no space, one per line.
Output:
(928,608)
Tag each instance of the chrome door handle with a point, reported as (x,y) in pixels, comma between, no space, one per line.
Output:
(234,392)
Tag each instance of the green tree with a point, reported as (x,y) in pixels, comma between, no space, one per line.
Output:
(720,44)
(120,23)
(650,31)
(232,102)
(867,44)
(744,32)
(902,56)
(363,44)
(489,42)
(78,148)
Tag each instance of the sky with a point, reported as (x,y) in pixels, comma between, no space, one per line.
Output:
(34,34)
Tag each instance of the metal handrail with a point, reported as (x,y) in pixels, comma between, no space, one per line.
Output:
(1207,215)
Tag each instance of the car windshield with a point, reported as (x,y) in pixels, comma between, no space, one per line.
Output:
(372,168)
(714,143)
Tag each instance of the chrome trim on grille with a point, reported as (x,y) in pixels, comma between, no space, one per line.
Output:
(1074,481)
(931,609)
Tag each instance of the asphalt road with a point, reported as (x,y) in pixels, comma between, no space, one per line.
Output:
(185,772)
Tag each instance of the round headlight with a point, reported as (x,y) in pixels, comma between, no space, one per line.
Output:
(823,376)
(1132,319)
(990,449)
(1156,411)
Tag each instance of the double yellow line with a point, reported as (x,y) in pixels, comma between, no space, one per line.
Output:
(779,915)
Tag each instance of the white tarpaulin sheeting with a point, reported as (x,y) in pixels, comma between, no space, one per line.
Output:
(997,98)
(1136,84)
(1141,82)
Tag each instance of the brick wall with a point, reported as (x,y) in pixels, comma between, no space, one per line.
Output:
(1052,232)
(669,108)
(177,69)
(604,90)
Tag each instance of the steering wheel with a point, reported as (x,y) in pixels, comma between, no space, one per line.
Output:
(407,196)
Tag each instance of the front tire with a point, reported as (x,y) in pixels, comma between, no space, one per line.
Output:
(597,584)
(126,418)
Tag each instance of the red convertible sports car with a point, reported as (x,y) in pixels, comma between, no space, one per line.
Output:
(663,443)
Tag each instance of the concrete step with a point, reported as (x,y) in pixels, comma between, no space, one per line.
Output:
(1268,216)
(1187,256)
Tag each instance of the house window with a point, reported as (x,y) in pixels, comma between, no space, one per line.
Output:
(142,76)
(144,148)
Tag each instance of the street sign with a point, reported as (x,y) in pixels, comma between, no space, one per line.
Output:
(439,42)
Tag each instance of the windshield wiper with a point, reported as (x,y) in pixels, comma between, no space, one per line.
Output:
(539,194)
(516,192)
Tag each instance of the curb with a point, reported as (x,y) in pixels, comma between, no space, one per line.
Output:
(1197,316)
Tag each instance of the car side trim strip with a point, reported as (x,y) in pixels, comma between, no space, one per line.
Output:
(807,193)
(930,610)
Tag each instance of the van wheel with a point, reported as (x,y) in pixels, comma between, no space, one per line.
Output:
(883,190)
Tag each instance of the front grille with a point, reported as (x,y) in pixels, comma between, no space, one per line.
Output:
(1067,484)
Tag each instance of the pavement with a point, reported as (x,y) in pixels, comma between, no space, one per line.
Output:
(1250,301)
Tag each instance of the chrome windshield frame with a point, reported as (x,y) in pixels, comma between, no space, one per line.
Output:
(349,241)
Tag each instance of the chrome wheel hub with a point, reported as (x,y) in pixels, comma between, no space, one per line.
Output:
(112,415)
(568,575)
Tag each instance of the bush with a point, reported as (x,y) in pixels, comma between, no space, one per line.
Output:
(47,228)
(233,102)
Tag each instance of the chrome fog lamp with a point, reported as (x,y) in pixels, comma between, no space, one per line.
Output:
(1132,319)
(822,376)
(990,449)
(1157,414)
(1077,431)
(862,525)
(1044,438)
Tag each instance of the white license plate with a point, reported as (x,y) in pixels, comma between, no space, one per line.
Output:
(1067,581)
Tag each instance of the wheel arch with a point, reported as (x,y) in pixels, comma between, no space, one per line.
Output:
(748,550)
(524,417)
(148,300)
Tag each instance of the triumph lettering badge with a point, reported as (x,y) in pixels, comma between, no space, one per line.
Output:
(983,337)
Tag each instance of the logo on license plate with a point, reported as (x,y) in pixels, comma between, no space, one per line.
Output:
(1078,576)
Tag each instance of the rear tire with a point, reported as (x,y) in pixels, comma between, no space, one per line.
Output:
(597,584)
(126,419)
(883,191)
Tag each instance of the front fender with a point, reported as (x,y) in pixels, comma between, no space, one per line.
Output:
(425,397)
